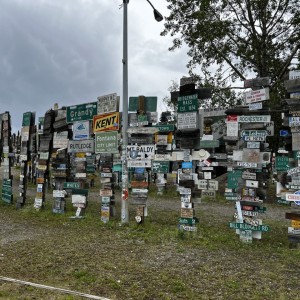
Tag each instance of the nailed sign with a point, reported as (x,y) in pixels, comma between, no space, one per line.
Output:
(254,119)
(106,122)
(81,146)
(188,103)
(187,120)
(108,103)
(140,152)
(257,95)
(81,112)
(106,142)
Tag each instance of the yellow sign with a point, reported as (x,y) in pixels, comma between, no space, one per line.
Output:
(106,122)
(295,224)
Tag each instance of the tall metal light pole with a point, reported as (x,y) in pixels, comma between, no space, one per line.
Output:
(158,17)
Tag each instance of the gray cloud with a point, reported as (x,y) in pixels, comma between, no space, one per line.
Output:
(70,52)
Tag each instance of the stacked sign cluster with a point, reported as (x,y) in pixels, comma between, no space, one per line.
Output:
(106,125)
(80,148)
(27,149)
(141,150)
(187,135)
(5,129)
(247,130)
(288,186)
(45,146)
(60,164)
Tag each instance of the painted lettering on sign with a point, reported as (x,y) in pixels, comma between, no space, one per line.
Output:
(106,122)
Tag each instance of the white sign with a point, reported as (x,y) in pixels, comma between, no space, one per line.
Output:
(142,130)
(254,138)
(81,130)
(294,121)
(76,199)
(60,139)
(187,120)
(257,95)
(59,193)
(246,164)
(140,152)
(107,103)
(81,146)
(253,145)
(254,119)
(294,74)
(213,185)
(292,197)
(184,191)
(232,128)
(139,163)
(255,106)
(251,183)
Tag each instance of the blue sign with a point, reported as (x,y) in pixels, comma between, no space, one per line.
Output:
(187,165)
(284,132)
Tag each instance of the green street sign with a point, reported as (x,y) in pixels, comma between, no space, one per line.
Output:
(150,104)
(282,163)
(90,169)
(81,112)
(26,119)
(245,226)
(209,144)
(165,128)
(106,142)
(160,166)
(71,185)
(233,178)
(80,192)
(187,221)
(188,103)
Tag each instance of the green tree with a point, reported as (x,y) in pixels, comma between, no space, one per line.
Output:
(230,39)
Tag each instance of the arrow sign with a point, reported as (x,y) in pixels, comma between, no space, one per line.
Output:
(283,132)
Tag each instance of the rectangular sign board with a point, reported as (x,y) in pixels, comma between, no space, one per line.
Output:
(81,112)
(85,146)
(188,103)
(150,103)
(257,95)
(245,226)
(254,119)
(106,142)
(106,122)
(108,103)
(187,120)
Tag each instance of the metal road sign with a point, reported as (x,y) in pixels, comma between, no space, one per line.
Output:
(81,112)
(188,103)
(283,132)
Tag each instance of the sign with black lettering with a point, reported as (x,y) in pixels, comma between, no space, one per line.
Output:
(86,146)
(106,122)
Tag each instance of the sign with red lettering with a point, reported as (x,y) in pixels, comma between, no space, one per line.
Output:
(106,122)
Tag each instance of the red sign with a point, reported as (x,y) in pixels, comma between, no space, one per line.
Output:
(232,118)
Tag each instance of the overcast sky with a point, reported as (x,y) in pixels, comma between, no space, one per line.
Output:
(70,52)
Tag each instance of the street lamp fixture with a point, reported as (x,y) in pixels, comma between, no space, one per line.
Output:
(125,207)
